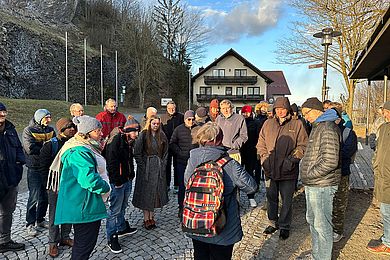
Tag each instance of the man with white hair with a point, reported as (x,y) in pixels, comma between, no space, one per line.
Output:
(76,109)
(110,117)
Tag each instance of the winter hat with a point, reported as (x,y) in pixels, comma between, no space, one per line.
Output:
(246,109)
(131,125)
(86,124)
(40,114)
(386,105)
(294,108)
(2,107)
(62,123)
(189,113)
(201,112)
(313,103)
(282,102)
(214,103)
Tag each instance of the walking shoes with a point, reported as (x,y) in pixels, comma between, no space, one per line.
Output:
(381,249)
(270,230)
(127,231)
(114,245)
(11,246)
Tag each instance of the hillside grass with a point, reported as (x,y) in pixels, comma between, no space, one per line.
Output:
(20,111)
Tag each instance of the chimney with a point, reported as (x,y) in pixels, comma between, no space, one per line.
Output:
(201,69)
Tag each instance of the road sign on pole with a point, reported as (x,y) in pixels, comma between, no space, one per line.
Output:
(315,66)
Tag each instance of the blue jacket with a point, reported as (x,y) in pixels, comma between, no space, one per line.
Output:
(349,147)
(12,155)
(234,177)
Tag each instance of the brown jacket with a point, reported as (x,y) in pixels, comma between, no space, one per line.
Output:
(381,165)
(281,146)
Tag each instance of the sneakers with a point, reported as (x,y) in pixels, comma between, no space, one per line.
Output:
(53,250)
(270,230)
(284,234)
(67,242)
(337,237)
(11,246)
(32,231)
(175,189)
(253,203)
(128,230)
(43,224)
(113,244)
(381,249)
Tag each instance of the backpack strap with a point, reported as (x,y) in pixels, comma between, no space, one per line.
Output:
(222,161)
(54,146)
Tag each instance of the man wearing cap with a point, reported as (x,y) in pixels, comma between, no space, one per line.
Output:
(110,117)
(214,109)
(58,235)
(281,145)
(248,150)
(381,166)
(320,173)
(33,137)
(11,170)
(181,145)
(169,121)
(234,129)
(201,116)
(120,166)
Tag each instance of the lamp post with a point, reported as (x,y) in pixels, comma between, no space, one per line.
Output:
(326,35)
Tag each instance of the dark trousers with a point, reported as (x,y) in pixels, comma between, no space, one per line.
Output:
(250,166)
(169,170)
(56,232)
(286,189)
(180,176)
(205,251)
(85,238)
(7,208)
(37,197)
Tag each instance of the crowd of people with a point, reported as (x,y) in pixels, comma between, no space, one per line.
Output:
(83,171)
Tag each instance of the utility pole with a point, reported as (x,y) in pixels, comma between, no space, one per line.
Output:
(85,71)
(66,67)
(101,75)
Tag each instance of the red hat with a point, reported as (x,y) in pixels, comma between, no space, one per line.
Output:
(246,109)
(214,103)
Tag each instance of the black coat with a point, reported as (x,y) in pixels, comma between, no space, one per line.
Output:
(349,147)
(181,143)
(11,155)
(47,154)
(170,122)
(248,149)
(119,157)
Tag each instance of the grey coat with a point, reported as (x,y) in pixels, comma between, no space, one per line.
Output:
(150,184)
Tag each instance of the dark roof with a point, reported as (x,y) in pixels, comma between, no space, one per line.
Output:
(375,57)
(240,58)
(278,86)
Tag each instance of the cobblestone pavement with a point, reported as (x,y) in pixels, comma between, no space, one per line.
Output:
(167,241)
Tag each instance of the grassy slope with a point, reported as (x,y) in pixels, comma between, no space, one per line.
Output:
(20,111)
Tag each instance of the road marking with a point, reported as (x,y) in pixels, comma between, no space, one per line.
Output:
(360,146)
(361,174)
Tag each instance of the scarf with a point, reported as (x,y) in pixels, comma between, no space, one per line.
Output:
(56,166)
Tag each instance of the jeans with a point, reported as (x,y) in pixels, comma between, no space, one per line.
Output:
(118,203)
(56,232)
(37,197)
(180,177)
(385,210)
(85,238)
(7,208)
(206,251)
(319,203)
(286,189)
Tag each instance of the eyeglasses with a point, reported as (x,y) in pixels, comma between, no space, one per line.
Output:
(305,114)
(190,119)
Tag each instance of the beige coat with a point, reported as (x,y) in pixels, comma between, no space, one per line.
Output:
(381,165)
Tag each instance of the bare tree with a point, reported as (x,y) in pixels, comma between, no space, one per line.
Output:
(355,19)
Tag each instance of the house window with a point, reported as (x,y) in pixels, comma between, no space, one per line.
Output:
(205,91)
(240,72)
(253,91)
(218,72)
(239,91)
(228,91)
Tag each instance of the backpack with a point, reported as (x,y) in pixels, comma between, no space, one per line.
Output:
(54,146)
(348,133)
(203,213)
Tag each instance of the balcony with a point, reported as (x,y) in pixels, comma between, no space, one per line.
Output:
(226,80)
(208,98)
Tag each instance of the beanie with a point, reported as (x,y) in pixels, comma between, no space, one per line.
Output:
(189,113)
(39,114)
(386,105)
(214,103)
(313,103)
(2,107)
(86,124)
(294,108)
(201,112)
(246,109)
(282,102)
(62,123)
(131,125)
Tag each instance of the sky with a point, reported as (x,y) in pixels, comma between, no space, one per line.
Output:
(252,28)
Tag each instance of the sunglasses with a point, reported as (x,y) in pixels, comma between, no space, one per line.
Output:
(190,119)
(68,126)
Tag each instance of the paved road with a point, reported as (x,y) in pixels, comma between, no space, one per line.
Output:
(167,241)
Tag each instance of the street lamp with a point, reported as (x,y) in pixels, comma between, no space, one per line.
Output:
(326,35)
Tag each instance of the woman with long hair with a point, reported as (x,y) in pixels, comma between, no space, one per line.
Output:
(150,153)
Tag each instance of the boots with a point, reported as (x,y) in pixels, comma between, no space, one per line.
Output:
(53,250)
